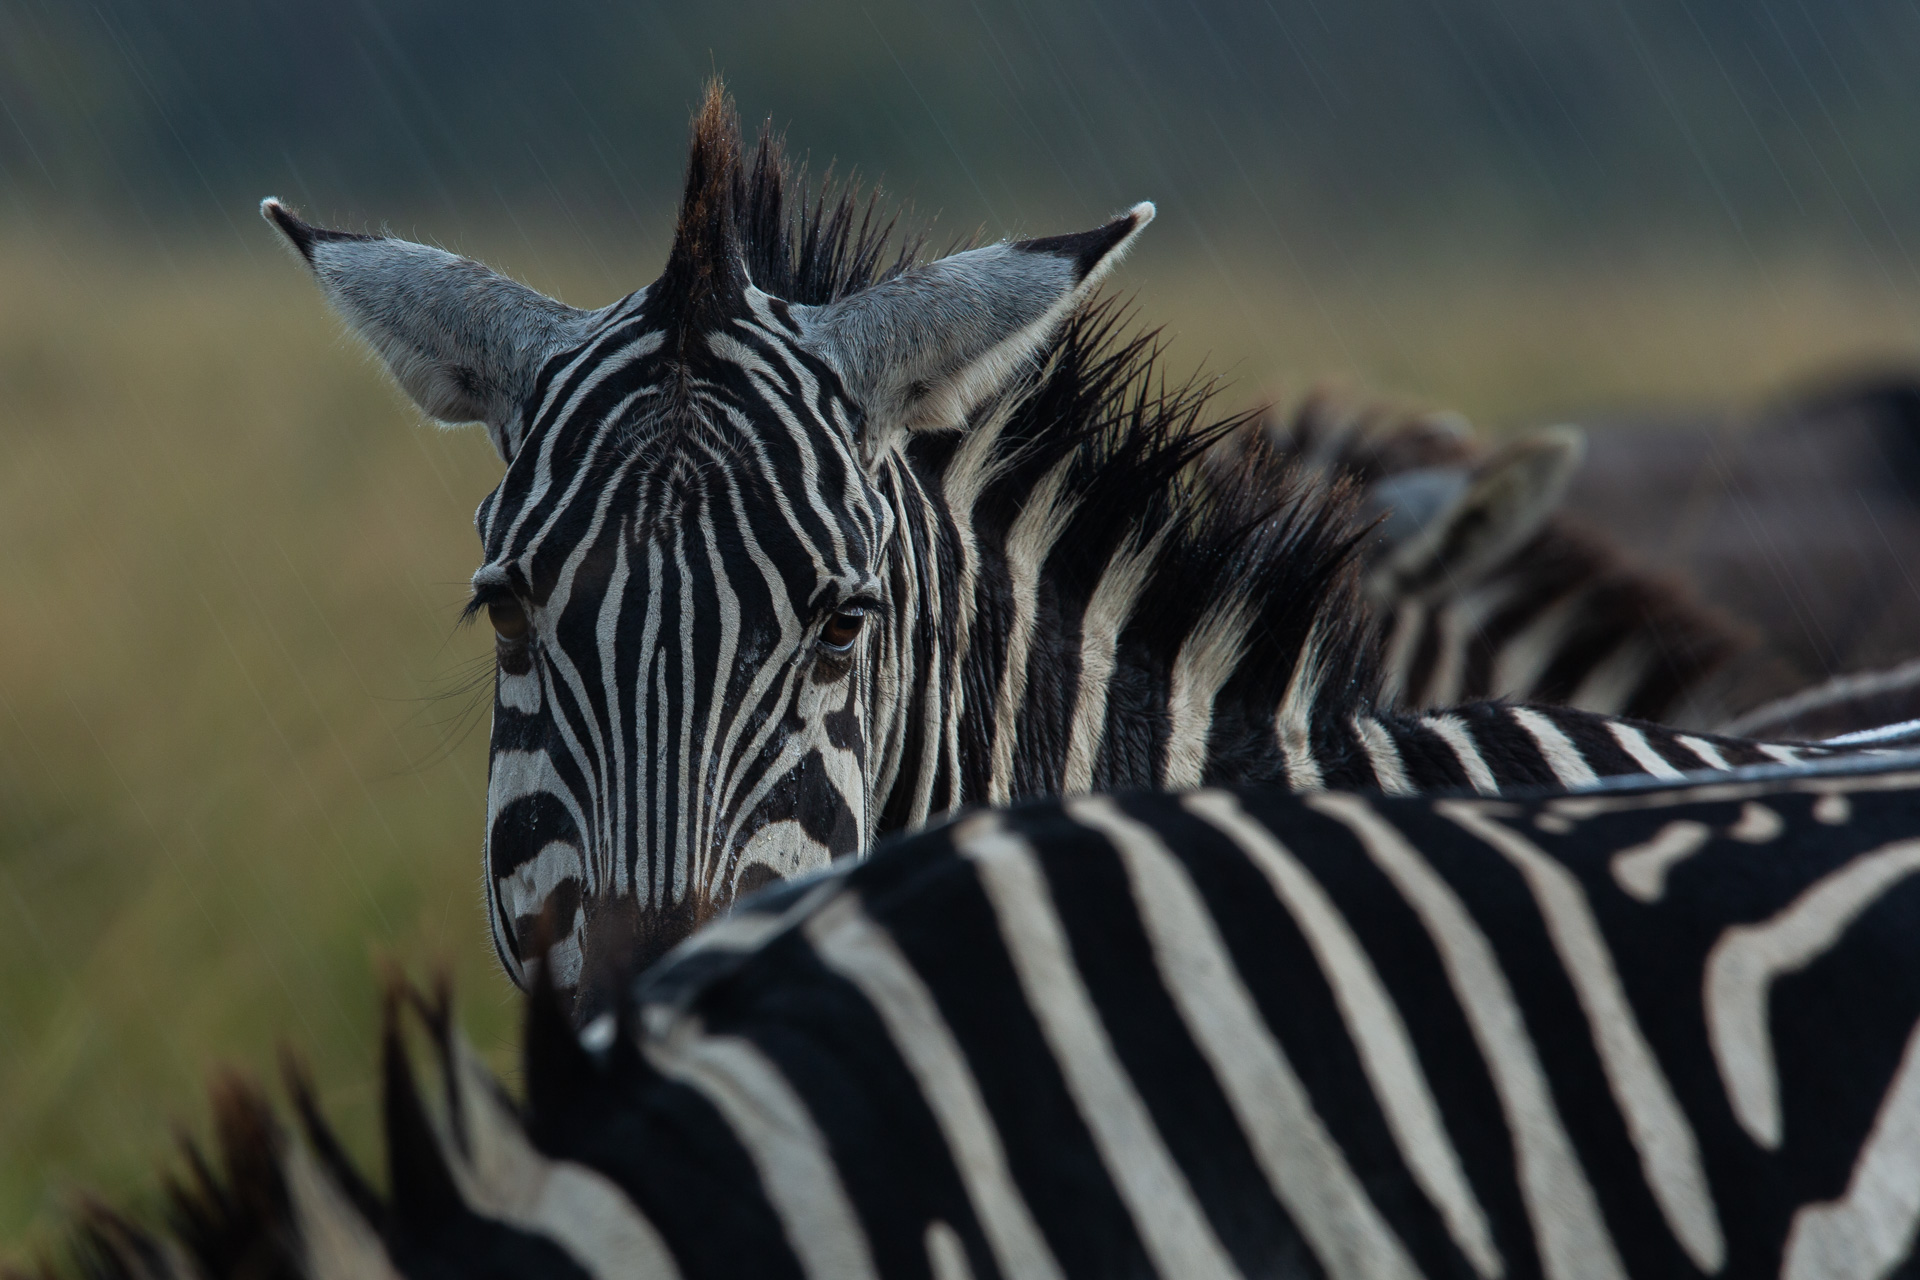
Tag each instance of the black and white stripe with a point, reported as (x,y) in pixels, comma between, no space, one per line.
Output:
(795,549)
(1634,1032)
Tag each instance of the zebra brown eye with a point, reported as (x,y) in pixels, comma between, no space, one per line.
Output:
(842,629)
(509,620)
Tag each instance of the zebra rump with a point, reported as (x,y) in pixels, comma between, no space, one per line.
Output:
(1638,1031)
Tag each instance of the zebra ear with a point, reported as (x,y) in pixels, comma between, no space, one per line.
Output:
(462,340)
(920,351)
(1480,517)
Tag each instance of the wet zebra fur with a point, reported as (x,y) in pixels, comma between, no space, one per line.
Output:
(1641,1031)
(806,543)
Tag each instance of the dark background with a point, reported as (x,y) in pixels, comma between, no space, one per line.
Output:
(1332,123)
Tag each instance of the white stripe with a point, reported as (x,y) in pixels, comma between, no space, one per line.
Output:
(976,463)
(1717,792)
(1396,666)
(1572,1236)
(946,1255)
(1860,737)
(1744,963)
(1708,753)
(606,636)
(1669,1152)
(1521,662)
(1172,1226)
(788,1150)
(1302,1162)
(1455,626)
(1206,659)
(1865,1234)
(1044,514)
(336,1241)
(503,1175)
(1635,744)
(1459,738)
(1757,824)
(1568,765)
(1379,1032)
(856,948)
(1785,755)
(683,789)
(1293,720)
(1383,754)
(1610,683)
(1641,869)
(1106,616)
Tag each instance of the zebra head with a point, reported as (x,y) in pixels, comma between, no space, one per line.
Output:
(706,630)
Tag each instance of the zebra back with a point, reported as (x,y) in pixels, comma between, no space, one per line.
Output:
(1641,1031)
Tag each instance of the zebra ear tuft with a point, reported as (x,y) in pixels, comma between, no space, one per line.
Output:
(463,341)
(920,351)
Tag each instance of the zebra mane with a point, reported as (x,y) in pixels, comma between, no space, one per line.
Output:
(759,219)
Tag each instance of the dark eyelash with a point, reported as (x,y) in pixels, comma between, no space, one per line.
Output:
(482,597)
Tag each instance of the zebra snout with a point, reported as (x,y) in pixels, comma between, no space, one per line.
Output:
(620,937)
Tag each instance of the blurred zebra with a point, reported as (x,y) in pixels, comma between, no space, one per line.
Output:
(800,545)
(1487,589)
(1635,1032)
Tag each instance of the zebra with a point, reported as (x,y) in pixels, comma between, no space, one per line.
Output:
(1646,1030)
(1487,588)
(803,544)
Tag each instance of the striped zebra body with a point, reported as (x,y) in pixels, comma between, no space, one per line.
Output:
(1641,1031)
(795,549)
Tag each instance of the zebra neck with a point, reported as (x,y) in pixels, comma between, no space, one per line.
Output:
(1017,680)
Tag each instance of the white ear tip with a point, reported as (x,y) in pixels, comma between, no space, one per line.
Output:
(1142,214)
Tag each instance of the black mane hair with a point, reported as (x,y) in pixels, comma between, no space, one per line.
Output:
(1252,532)
(758,219)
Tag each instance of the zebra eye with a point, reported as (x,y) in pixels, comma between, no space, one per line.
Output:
(509,619)
(842,629)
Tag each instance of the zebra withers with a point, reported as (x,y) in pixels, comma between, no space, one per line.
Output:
(1644,1031)
(803,544)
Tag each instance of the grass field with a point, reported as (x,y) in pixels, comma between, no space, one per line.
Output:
(232,773)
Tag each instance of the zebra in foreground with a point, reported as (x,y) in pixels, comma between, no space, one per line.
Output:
(1640,1031)
(801,545)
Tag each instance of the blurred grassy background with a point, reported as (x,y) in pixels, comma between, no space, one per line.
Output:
(232,767)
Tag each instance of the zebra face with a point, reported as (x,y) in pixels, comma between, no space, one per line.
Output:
(686,638)
(707,630)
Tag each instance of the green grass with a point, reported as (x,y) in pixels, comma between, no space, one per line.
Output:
(233,558)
